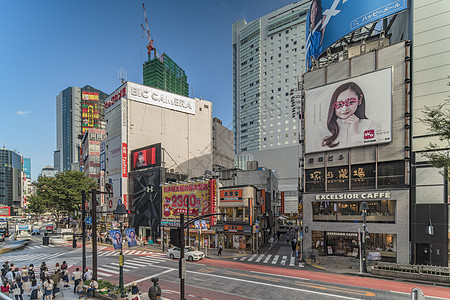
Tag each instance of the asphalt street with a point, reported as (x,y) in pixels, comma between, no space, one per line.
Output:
(221,278)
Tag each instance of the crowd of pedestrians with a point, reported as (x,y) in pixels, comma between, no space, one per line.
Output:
(23,282)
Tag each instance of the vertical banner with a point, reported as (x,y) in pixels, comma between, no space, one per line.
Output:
(102,188)
(124,160)
(250,211)
(213,201)
(263,200)
(282,203)
(131,237)
(116,238)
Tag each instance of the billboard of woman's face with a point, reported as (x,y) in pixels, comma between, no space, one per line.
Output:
(349,113)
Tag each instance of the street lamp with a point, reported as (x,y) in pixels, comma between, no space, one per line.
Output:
(364,207)
(182,262)
(120,214)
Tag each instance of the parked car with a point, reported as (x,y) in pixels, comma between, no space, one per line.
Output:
(2,237)
(189,253)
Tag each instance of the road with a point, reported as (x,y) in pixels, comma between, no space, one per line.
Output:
(223,278)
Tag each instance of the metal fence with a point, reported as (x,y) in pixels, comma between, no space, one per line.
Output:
(417,269)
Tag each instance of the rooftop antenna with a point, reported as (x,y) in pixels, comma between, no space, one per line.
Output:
(121,76)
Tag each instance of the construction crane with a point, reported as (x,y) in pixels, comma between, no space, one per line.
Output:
(150,46)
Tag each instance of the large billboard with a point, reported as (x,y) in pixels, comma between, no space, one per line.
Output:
(90,111)
(179,197)
(146,157)
(330,20)
(349,113)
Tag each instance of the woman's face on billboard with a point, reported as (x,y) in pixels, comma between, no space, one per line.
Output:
(346,104)
(312,14)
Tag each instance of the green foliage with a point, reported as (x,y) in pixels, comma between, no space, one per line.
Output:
(61,194)
(36,205)
(438,119)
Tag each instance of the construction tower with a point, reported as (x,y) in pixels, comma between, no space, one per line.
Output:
(163,73)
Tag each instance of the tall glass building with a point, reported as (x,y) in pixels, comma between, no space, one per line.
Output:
(10,178)
(76,110)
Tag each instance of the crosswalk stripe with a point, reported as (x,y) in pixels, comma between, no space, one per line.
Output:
(107,270)
(253,257)
(150,260)
(275,259)
(243,258)
(267,258)
(292,263)
(103,274)
(117,264)
(259,258)
(135,264)
(235,258)
(132,252)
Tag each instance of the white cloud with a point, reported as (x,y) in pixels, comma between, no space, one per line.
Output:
(23,113)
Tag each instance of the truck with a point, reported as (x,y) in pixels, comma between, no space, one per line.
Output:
(23,232)
(4,228)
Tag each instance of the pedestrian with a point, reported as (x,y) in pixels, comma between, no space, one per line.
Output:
(220,250)
(57,267)
(271,241)
(293,245)
(35,288)
(134,292)
(17,273)
(79,289)
(18,289)
(287,238)
(87,274)
(5,287)
(56,278)
(48,288)
(91,288)
(10,276)
(65,274)
(31,273)
(76,276)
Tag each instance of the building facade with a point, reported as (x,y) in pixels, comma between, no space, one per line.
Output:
(49,171)
(268,59)
(164,74)
(151,133)
(10,179)
(76,110)
(223,150)
(90,158)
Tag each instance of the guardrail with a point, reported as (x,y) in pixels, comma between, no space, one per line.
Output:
(417,269)
(4,297)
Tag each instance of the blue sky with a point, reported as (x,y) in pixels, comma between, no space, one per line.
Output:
(48,46)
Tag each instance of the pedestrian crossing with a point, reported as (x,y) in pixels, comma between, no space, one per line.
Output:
(130,264)
(282,260)
(42,247)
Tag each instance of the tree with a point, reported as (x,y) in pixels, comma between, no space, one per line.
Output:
(62,194)
(36,205)
(438,120)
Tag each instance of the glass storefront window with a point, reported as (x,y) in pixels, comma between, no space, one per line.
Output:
(337,178)
(382,211)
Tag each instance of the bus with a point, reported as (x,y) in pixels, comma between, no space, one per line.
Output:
(4,228)
(23,232)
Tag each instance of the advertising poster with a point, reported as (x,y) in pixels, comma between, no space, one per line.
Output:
(90,111)
(178,197)
(146,157)
(349,113)
(116,238)
(131,237)
(330,20)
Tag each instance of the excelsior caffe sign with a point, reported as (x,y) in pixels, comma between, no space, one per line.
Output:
(160,98)
(354,196)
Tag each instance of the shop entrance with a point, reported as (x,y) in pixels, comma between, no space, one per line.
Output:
(423,254)
(342,244)
(145,232)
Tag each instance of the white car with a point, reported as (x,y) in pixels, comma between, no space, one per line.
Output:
(189,253)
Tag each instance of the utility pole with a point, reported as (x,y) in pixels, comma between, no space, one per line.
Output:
(83,228)
(182,261)
(94,233)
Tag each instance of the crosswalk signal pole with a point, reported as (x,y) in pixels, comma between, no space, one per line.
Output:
(83,229)
(94,233)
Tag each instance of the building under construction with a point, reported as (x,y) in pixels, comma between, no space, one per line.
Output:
(163,73)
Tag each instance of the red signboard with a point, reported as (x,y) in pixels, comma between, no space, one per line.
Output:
(213,201)
(263,200)
(116,97)
(5,211)
(124,160)
(233,228)
(125,200)
(231,195)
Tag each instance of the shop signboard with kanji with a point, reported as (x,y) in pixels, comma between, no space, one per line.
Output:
(179,197)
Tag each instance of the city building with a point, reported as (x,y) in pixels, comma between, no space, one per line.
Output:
(268,59)
(164,74)
(430,202)
(10,179)
(223,150)
(48,171)
(152,135)
(76,110)
(90,157)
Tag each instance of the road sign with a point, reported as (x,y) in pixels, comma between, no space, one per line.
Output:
(119,201)
(88,221)
(110,204)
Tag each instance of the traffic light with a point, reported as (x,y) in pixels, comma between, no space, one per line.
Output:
(175,237)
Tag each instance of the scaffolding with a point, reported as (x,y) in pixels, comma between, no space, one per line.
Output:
(163,73)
